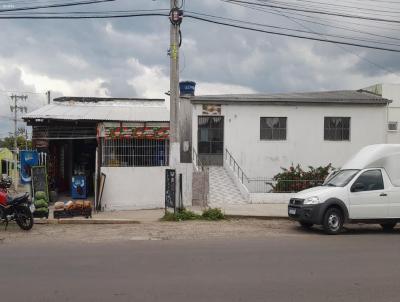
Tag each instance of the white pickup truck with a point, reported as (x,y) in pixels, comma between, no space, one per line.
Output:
(366,189)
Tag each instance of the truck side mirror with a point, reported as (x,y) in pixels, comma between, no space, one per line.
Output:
(358,187)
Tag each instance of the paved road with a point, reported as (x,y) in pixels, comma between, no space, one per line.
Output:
(361,266)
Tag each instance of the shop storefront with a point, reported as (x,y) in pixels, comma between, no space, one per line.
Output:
(93,155)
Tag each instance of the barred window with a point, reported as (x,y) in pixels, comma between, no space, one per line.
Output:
(273,128)
(392,126)
(131,152)
(337,129)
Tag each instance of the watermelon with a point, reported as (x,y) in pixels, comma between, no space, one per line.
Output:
(41,203)
(40,195)
(42,210)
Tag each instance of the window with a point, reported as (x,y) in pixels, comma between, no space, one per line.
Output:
(273,128)
(368,181)
(392,126)
(337,129)
(341,178)
(131,152)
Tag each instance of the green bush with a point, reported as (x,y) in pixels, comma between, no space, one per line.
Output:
(295,179)
(213,214)
(209,214)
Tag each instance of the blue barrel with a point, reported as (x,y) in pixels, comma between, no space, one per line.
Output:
(187,88)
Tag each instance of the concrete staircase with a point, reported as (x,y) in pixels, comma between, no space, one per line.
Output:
(223,190)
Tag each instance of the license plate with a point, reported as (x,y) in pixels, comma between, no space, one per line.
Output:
(292,211)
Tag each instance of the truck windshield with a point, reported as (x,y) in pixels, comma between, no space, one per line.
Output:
(341,178)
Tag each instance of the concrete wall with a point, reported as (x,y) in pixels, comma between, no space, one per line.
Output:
(392,92)
(128,188)
(305,144)
(270,197)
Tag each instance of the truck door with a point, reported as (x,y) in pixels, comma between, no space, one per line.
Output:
(368,197)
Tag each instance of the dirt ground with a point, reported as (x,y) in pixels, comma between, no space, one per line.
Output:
(196,230)
(234,228)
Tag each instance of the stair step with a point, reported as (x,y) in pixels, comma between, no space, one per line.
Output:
(223,190)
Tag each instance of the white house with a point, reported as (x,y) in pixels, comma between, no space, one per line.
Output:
(392,92)
(255,135)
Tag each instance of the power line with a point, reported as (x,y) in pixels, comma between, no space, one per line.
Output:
(205,20)
(347,50)
(294,36)
(55,5)
(314,11)
(297,30)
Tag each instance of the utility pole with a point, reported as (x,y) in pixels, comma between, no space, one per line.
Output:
(176,15)
(176,19)
(15,107)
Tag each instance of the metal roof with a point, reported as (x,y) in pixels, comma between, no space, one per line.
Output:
(325,97)
(117,110)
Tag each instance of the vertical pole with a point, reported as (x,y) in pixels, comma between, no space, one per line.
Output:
(15,171)
(48,97)
(174,80)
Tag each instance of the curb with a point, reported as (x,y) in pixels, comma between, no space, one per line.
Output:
(257,217)
(87,221)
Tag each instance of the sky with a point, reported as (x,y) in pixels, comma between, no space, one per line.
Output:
(128,57)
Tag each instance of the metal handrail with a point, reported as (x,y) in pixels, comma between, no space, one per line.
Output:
(198,163)
(236,168)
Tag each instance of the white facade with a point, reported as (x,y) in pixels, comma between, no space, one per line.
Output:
(391,92)
(304,144)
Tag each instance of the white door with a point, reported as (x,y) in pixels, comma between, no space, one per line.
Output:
(394,206)
(368,197)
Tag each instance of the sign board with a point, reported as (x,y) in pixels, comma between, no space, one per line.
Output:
(170,188)
(39,180)
(150,131)
(28,159)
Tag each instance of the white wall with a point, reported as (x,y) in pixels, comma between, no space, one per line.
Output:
(392,92)
(305,143)
(131,188)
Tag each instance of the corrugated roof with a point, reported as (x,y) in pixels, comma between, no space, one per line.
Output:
(126,111)
(325,97)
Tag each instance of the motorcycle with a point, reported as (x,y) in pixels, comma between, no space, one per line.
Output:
(15,208)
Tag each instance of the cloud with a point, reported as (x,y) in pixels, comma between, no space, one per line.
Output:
(128,57)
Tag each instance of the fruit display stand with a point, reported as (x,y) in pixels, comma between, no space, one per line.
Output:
(41,203)
(73,209)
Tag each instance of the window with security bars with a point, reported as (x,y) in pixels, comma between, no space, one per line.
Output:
(131,152)
(337,129)
(273,128)
(392,126)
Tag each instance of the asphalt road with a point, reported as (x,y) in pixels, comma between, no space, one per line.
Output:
(361,266)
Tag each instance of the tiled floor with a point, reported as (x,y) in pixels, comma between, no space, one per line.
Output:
(223,190)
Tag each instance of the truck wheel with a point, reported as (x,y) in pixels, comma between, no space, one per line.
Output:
(306,225)
(387,227)
(333,221)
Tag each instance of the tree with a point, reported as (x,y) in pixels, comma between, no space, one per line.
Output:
(22,143)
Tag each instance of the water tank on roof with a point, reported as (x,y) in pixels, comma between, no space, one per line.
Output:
(187,88)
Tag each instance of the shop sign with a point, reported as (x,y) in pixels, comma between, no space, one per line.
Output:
(170,188)
(158,133)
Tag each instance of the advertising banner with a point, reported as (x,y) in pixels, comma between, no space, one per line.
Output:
(28,159)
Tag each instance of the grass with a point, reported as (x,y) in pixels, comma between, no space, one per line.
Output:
(184,215)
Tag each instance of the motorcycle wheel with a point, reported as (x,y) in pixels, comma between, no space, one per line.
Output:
(24,218)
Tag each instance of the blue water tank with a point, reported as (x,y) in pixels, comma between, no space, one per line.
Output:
(187,88)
